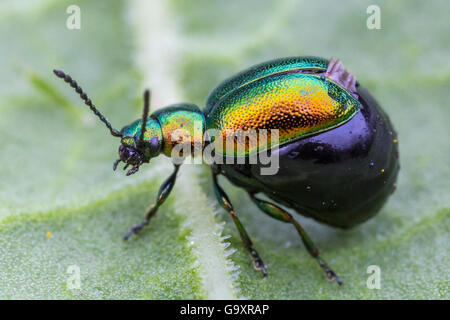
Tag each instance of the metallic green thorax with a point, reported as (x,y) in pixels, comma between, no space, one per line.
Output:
(166,128)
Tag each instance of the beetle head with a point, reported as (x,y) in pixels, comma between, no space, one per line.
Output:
(135,151)
(130,156)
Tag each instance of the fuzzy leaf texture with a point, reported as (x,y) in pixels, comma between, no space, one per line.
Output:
(61,204)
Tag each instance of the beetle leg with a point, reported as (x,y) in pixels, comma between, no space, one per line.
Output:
(278,213)
(163,193)
(248,244)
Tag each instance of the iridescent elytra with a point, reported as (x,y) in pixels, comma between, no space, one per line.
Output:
(336,147)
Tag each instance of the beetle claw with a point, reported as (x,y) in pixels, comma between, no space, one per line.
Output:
(133,170)
(258,264)
(133,231)
(264,270)
(331,276)
(115,164)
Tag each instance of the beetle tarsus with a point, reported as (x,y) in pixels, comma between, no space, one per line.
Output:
(135,230)
(258,264)
(331,275)
(115,164)
(128,235)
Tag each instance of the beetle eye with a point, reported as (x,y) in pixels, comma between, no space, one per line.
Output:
(154,144)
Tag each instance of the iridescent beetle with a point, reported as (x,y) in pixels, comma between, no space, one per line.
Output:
(337,150)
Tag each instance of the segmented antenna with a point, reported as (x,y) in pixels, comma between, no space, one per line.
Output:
(144,115)
(86,100)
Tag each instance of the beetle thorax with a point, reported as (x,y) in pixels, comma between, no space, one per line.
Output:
(182,127)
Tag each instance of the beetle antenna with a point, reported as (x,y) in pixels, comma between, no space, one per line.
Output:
(144,115)
(86,100)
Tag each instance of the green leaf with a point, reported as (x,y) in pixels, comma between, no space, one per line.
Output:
(61,205)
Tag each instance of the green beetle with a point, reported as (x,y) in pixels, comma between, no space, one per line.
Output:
(336,150)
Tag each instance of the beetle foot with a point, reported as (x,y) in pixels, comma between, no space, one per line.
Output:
(337,73)
(331,275)
(135,230)
(258,264)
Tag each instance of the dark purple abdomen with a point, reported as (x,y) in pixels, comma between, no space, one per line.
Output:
(341,177)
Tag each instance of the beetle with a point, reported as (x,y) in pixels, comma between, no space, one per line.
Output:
(336,148)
